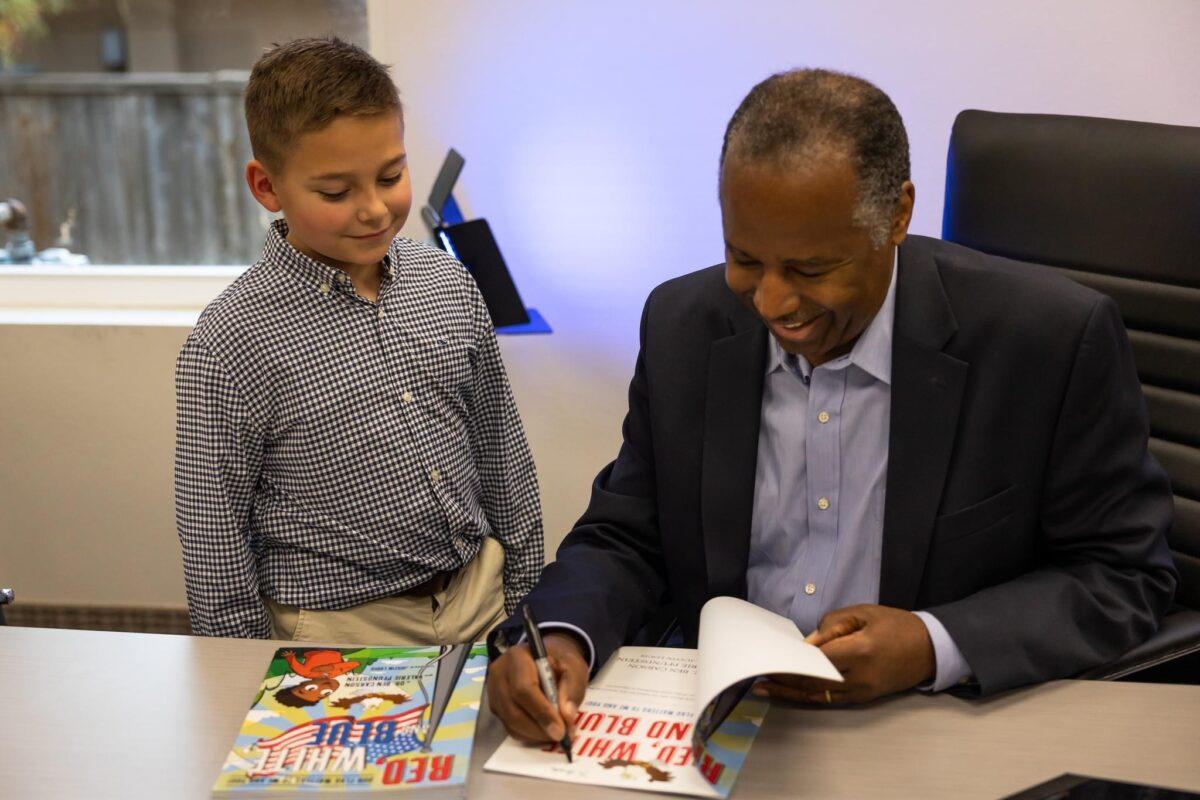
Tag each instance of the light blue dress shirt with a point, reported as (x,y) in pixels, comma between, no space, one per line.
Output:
(816,536)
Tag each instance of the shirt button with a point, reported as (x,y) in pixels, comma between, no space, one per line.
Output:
(435,475)
(381,314)
(407,396)
(823,417)
(324,288)
(810,588)
(822,503)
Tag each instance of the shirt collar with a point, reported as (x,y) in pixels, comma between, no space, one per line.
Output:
(872,352)
(279,252)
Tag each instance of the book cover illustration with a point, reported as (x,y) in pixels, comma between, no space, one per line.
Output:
(374,720)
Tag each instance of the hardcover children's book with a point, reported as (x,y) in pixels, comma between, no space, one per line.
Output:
(373,722)
(674,720)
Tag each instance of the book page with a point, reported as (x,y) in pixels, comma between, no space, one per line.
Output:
(739,640)
(634,731)
(649,720)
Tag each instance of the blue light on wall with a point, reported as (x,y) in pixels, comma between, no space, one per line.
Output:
(594,129)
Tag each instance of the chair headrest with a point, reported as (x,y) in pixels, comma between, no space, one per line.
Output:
(1100,195)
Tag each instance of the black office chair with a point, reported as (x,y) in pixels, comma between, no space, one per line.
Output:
(6,598)
(1114,205)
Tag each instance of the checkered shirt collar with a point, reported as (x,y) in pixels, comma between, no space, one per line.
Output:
(278,252)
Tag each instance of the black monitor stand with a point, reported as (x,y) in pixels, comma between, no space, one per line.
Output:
(472,243)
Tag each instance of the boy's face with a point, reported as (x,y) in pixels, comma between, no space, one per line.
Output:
(344,189)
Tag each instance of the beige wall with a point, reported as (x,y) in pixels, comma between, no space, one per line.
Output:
(87,438)
(86,433)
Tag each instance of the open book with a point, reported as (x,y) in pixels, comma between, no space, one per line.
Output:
(673,720)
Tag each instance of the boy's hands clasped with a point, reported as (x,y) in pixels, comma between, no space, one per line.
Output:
(516,697)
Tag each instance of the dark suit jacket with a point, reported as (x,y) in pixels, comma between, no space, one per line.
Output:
(1022,506)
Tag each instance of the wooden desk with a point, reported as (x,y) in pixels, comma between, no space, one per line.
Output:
(140,715)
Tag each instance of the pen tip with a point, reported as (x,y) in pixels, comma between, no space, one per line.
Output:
(566,746)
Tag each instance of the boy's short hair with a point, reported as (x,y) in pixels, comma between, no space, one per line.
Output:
(301,86)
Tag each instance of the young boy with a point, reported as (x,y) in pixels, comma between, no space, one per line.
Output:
(350,465)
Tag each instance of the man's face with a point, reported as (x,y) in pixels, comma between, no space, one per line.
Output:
(345,189)
(794,254)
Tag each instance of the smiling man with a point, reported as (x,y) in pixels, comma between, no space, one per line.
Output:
(932,460)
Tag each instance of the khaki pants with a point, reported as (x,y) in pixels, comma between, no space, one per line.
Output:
(465,611)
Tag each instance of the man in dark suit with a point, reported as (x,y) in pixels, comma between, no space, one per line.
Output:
(933,459)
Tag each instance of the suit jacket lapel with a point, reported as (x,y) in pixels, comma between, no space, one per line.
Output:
(927,389)
(731,420)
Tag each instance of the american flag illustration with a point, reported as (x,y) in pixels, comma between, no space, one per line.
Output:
(404,742)
(292,744)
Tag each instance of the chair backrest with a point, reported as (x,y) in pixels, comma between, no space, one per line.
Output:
(1116,206)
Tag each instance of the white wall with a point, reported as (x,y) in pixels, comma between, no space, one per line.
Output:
(591,133)
(591,130)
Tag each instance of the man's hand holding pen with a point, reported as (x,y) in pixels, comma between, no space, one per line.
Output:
(516,696)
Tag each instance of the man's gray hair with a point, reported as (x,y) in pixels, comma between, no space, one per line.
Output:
(807,113)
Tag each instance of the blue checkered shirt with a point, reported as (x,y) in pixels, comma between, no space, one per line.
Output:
(331,450)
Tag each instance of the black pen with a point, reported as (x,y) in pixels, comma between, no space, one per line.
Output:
(545,674)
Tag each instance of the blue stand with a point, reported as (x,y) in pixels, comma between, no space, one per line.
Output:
(537,324)
(451,214)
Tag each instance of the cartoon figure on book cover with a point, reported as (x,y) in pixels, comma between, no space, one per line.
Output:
(330,719)
(321,667)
